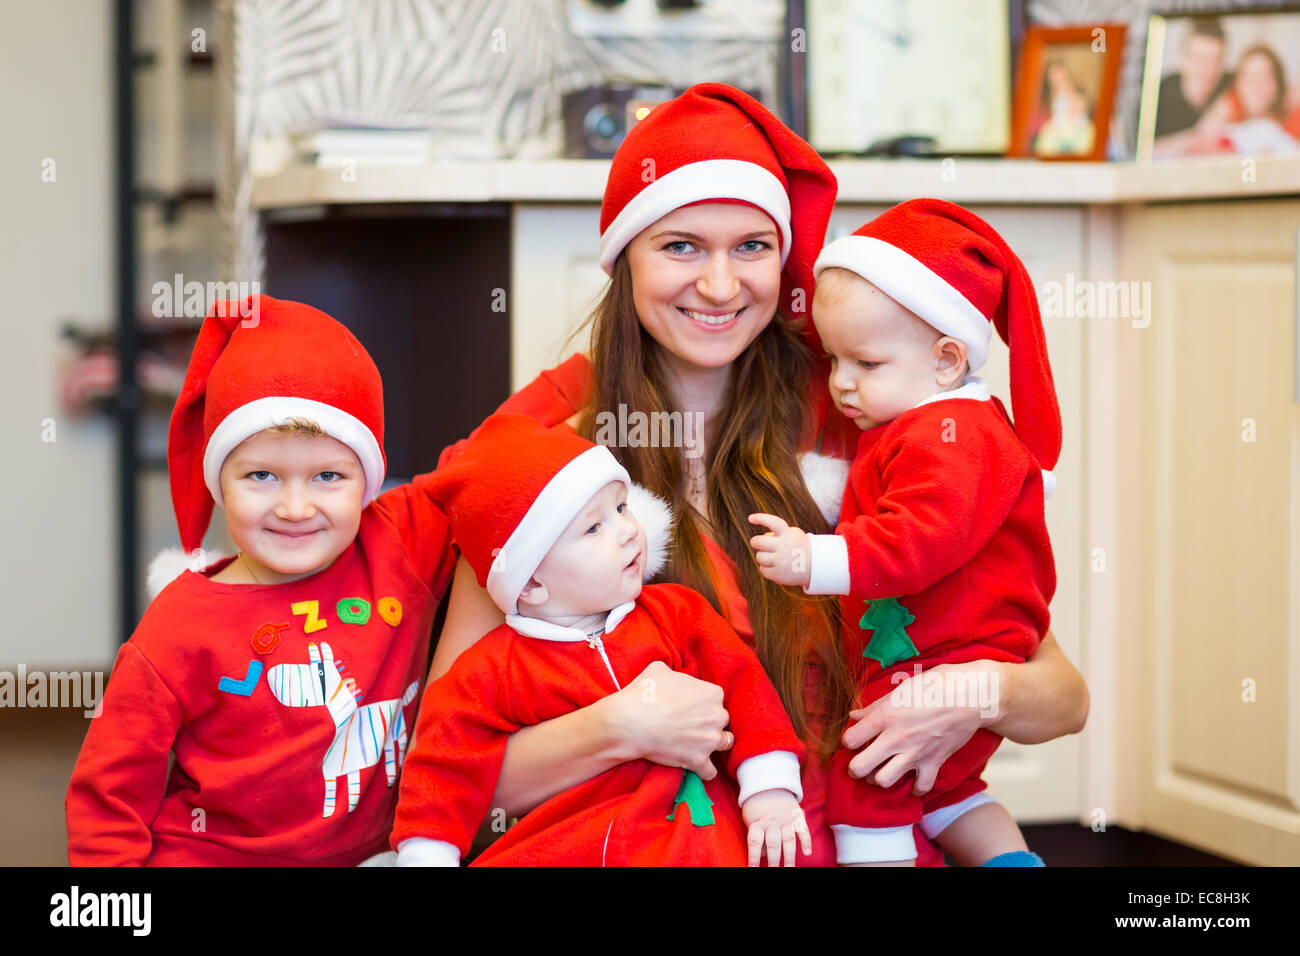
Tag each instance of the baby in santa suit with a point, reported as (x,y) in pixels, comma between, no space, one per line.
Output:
(543,518)
(942,550)
(283,678)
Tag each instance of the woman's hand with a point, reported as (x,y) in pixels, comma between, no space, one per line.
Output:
(1039,700)
(901,733)
(671,719)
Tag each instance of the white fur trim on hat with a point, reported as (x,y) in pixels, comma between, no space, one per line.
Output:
(656,518)
(915,286)
(268,412)
(825,477)
(694,182)
(558,503)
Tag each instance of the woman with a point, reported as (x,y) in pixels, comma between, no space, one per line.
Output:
(713,216)
(1251,117)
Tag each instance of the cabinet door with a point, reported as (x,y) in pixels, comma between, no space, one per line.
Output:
(1211,559)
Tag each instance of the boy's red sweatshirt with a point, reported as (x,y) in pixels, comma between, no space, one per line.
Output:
(287,708)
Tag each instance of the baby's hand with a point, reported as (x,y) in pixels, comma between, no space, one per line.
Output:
(783,553)
(774,818)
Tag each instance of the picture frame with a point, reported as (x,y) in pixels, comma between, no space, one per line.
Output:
(1065,92)
(1221,83)
(900,77)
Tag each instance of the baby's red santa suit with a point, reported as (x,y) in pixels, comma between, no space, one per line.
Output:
(262,691)
(510,494)
(942,529)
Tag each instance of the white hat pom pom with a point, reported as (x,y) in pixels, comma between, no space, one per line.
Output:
(656,517)
(170,563)
(825,478)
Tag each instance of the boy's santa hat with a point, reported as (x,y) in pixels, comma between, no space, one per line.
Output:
(715,143)
(954,271)
(257,363)
(515,488)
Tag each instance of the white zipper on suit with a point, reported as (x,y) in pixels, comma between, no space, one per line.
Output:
(594,641)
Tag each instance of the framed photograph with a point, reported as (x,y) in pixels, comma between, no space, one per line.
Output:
(1065,89)
(1225,84)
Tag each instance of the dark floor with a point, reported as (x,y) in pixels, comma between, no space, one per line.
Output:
(1068,844)
(39,747)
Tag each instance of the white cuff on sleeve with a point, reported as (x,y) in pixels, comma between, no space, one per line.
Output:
(828,565)
(417,851)
(774,770)
(873,844)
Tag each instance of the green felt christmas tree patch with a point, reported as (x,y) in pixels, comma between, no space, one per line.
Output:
(890,643)
(692,793)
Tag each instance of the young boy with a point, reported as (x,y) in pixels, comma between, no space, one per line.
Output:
(281,679)
(542,517)
(942,532)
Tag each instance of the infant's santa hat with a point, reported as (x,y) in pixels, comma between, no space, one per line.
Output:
(714,143)
(514,489)
(952,269)
(255,364)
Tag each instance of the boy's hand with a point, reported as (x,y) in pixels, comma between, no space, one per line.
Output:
(783,554)
(774,818)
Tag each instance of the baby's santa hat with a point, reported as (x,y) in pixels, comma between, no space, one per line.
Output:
(716,143)
(952,269)
(514,489)
(257,363)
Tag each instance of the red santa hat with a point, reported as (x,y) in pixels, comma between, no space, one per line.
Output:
(954,271)
(256,364)
(714,143)
(516,486)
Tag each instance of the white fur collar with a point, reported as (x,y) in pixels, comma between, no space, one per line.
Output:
(546,631)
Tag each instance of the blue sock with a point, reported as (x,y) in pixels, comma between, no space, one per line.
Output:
(1016,858)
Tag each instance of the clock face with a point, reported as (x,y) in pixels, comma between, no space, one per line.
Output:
(908,68)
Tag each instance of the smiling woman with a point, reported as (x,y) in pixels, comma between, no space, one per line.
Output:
(717,265)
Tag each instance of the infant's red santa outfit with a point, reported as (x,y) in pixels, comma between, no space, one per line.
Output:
(942,549)
(286,705)
(510,494)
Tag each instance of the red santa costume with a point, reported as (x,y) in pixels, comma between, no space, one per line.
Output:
(509,495)
(286,705)
(942,539)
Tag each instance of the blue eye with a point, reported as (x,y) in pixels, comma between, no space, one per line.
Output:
(593,527)
(621,507)
(332,475)
(755,245)
(868,365)
(255,475)
(681,246)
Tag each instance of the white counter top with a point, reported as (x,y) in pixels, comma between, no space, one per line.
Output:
(1008,181)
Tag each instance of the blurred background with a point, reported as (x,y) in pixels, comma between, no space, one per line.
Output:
(430,173)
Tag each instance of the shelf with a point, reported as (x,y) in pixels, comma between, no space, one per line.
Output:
(980,181)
